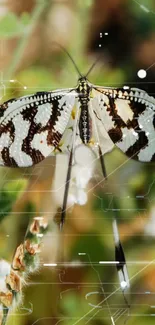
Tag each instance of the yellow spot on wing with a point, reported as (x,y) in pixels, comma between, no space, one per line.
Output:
(91,94)
(73,113)
(92,142)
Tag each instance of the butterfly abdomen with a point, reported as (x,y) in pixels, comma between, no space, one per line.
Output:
(84,122)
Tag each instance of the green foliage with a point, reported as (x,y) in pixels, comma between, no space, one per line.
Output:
(13,26)
(86,245)
(69,304)
(25,19)
(108,77)
(9,193)
(36,78)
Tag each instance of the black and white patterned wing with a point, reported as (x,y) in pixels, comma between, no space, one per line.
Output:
(31,127)
(128,116)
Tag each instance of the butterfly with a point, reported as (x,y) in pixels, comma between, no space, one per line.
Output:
(32,127)
(36,126)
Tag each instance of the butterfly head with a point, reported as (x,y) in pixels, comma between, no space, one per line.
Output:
(83,86)
(82,79)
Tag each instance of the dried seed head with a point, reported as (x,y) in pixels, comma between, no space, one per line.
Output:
(14,281)
(31,248)
(6,298)
(34,228)
(43,223)
(1,314)
(18,259)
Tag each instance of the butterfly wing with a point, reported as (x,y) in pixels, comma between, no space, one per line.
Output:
(31,127)
(128,115)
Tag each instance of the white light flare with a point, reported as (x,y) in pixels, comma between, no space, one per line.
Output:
(108,262)
(142,73)
(49,264)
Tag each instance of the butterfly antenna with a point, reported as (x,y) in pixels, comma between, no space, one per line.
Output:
(63,213)
(69,55)
(93,65)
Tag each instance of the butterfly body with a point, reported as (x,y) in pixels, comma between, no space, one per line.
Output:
(84,121)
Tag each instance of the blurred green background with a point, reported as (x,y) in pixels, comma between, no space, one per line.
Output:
(29,62)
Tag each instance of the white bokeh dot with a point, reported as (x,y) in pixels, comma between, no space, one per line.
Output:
(142,73)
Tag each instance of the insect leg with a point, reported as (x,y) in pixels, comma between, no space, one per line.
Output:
(69,170)
(102,162)
(63,213)
(121,264)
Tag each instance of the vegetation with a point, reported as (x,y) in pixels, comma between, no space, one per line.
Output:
(76,289)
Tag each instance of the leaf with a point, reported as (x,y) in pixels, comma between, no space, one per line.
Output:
(10,26)
(25,19)
(15,188)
